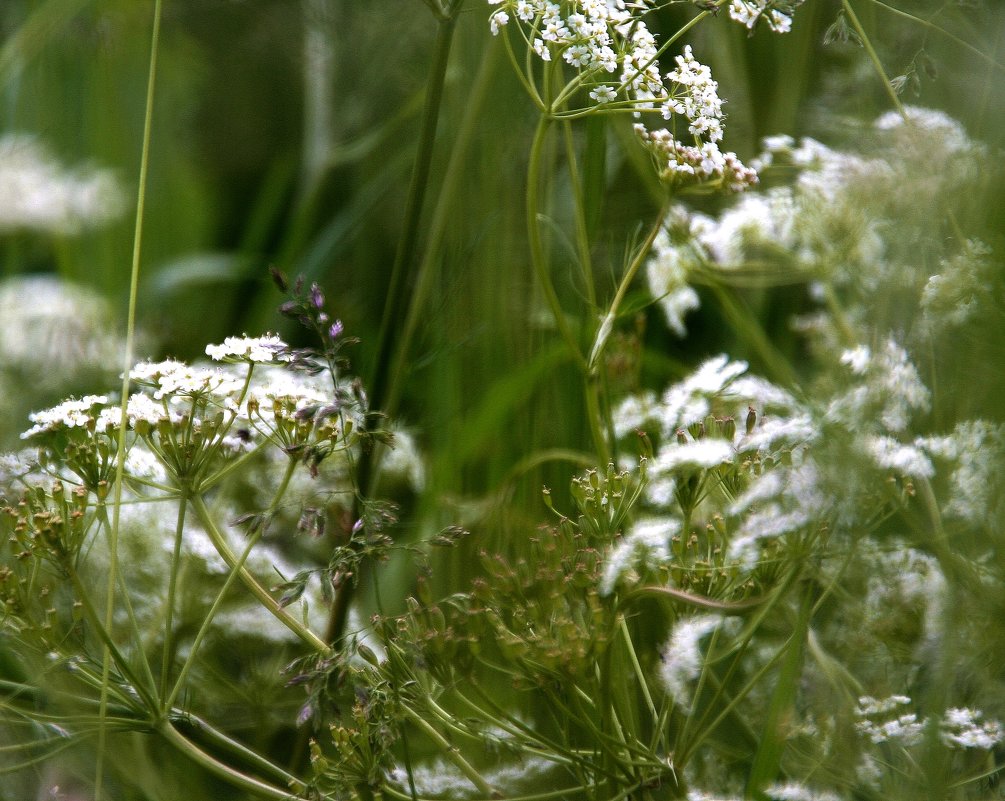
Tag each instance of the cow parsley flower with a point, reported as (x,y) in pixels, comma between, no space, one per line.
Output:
(881,721)
(967,728)
(796,791)
(644,549)
(267,349)
(776,14)
(81,413)
(682,657)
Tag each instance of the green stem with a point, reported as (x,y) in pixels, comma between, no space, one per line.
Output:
(441,221)
(172,588)
(251,757)
(612,313)
(874,57)
(252,785)
(127,363)
(110,649)
(256,589)
(210,615)
(451,753)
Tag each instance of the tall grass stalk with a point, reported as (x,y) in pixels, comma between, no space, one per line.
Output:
(127,361)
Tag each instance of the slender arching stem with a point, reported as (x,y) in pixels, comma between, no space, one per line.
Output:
(249,581)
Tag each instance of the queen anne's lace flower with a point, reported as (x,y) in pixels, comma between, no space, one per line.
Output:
(80,413)
(603,38)
(265,349)
(776,14)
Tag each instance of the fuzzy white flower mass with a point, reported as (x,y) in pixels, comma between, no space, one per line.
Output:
(37,193)
(648,543)
(682,658)
(264,349)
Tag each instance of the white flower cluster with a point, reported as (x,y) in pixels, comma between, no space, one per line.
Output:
(644,548)
(596,37)
(795,791)
(881,721)
(180,381)
(959,728)
(829,226)
(241,406)
(616,59)
(682,657)
(777,15)
(38,194)
(967,728)
(266,349)
(976,451)
(681,164)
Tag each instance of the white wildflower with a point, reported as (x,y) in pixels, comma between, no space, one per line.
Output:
(604,94)
(634,412)
(967,728)
(890,393)
(68,328)
(79,413)
(795,791)
(879,721)
(889,454)
(682,658)
(266,349)
(175,378)
(977,449)
(956,295)
(647,544)
(37,193)
(706,453)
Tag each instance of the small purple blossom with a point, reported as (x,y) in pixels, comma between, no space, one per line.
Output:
(317,296)
(336,329)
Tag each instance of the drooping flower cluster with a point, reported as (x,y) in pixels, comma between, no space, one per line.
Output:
(616,62)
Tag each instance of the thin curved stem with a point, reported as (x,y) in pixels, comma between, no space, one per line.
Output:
(271,604)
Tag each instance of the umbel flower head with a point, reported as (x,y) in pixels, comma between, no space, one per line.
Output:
(194,417)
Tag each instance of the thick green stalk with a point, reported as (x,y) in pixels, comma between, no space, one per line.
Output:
(441,221)
(255,787)
(394,308)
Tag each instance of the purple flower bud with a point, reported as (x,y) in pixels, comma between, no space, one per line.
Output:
(336,329)
(322,318)
(317,297)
